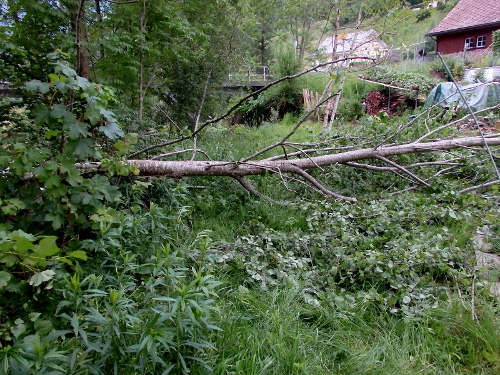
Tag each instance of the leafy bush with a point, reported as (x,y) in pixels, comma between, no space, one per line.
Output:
(281,99)
(85,288)
(46,200)
(398,255)
(496,42)
(414,81)
(422,15)
(350,110)
(456,67)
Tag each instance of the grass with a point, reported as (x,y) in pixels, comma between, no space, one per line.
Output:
(275,332)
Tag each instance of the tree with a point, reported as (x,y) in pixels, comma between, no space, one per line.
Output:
(169,38)
(140,303)
(302,158)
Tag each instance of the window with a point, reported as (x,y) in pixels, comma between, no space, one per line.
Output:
(469,43)
(481,41)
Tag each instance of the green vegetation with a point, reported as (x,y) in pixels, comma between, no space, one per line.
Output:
(104,270)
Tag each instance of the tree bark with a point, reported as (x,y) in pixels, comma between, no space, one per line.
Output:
(177,169)
(77,11)
(328,117)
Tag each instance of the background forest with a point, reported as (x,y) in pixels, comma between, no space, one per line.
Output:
(113,267)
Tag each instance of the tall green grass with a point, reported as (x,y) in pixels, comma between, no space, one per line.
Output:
(275,332)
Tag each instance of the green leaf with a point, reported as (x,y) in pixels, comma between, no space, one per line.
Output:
(36,85)
(93,115)
(22,244)
(78,254)
(64,70)
(53,181)
(59,111)
(51,133)
(84,83)
(47,247)
(42,327)
(42,114)
(77,129)
(73,174)
(12,206)
(9,260)
(53,78)
(82,148)
(112,130)
(41,277)
(34,316)
(4,278)
(57,220)
(19,329)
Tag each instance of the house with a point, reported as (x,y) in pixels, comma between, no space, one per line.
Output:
(361,43)
(468,28)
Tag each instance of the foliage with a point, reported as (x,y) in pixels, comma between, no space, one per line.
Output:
(46,201)
(491,232)
(275,332)
(283,98)
(30,31)
(67,313)
(354,254)
(102,272)
(140,312)
(456,67)
(496,42)
(350,110)
(426,13)
(413,81)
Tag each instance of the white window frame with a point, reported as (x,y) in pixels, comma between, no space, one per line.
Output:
(481,41)
(469,43)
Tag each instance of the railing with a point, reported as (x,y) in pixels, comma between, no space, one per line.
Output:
(250,74)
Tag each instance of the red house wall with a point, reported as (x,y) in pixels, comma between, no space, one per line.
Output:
(452,43)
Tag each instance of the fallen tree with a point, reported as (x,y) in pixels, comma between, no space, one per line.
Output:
(283,164)
(80,126)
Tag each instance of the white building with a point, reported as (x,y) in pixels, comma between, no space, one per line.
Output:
(361,43)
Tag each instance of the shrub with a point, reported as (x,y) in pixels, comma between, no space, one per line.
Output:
(456,67)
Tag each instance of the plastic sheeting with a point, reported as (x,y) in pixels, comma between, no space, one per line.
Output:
(478,95)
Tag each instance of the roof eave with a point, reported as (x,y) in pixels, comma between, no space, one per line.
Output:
(451,31)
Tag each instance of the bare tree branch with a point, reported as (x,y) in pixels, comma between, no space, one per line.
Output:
(320,186)
(454,122)
(393,169)
(240,102)
(193,150)
(403,169)
(487,184)
(254,191)
(439,173)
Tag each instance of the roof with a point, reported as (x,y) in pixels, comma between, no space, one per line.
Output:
(351,41)
(469,14)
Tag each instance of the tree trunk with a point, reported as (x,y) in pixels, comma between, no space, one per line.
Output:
(240,169)
(77,11)
(330,103)
(140,110)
